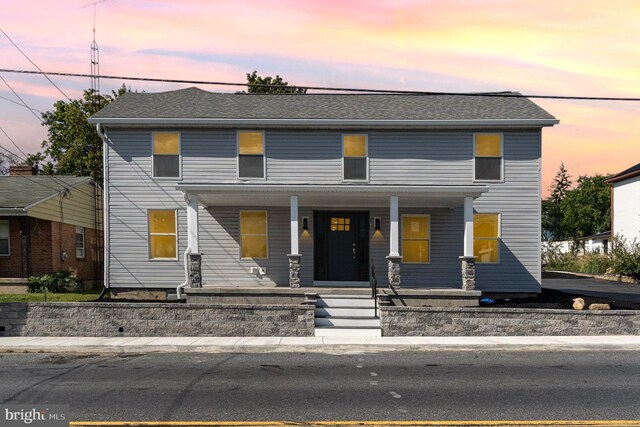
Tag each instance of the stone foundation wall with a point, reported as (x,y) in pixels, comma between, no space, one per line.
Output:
(466,321)
(153,319)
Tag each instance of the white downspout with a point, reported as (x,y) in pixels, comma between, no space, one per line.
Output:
(184,284)
(105,201)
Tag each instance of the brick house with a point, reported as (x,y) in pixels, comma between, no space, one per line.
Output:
(47,224)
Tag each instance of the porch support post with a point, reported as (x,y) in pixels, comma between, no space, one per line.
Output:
(194,258)
(394,257)
(393,234)
(192,224)
(294,256)
(468,261)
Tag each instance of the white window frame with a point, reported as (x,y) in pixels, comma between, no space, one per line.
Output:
(264,155)
(501,157)
(84,250)
(166,178)
(366,142)
(428,216)
(266,217)
(175,210)
(8,254)
(499,238)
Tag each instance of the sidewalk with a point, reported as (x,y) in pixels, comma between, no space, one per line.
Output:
(313,344)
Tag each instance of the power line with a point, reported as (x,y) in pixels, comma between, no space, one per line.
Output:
(13,142)
(34,64)
(339,89)
(24,104)
(17,103)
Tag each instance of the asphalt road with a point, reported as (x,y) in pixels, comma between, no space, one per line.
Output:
(303,387)
(591,287)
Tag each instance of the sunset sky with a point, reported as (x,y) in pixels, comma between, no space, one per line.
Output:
(559,47)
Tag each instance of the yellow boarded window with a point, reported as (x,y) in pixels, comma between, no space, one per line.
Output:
(415,238)
(166,154)
(166,143)
(250,143)
(355,146)
(253,234)
(488,159)
(486,237)
(162,234)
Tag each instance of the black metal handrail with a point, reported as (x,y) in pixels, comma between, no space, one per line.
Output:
(374,289)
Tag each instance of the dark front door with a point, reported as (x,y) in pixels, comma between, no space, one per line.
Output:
(341,246)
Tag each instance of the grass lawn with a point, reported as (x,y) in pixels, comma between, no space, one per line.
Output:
(66,297)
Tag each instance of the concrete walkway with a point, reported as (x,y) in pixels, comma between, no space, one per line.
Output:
(574,284)
(312,344)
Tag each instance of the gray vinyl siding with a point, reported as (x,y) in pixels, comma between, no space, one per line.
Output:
(314,156)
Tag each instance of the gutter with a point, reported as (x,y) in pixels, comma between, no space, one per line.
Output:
(105,201)
(339,123)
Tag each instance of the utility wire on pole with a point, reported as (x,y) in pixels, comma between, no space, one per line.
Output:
(338,89)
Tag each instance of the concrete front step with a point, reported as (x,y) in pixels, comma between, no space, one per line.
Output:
(349,322)
(346,332)
(344,302)
(359,312)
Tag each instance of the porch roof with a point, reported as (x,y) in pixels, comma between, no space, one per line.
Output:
(337,195)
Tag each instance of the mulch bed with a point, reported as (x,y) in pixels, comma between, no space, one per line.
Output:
(560,300)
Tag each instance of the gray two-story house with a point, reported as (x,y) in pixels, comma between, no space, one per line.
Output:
(319,189)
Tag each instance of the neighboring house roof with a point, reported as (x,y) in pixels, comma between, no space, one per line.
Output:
(20,192)
(603,235)
(196,106)
(626,174)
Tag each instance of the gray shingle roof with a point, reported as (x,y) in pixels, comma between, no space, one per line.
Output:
(625,174)
(194,103)
(24,190)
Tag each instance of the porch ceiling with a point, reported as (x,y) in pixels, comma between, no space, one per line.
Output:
(340,195)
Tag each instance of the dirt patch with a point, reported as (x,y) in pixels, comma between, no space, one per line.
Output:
(552,299)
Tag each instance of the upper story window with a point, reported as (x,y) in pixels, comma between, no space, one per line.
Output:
(355,164)
(250,154)
(80,252)
(415,239)
(488,157)
(4,238)
(166,155)
(486,237)
(163,236)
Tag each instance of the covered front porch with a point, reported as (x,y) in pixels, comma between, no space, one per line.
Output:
(332,236)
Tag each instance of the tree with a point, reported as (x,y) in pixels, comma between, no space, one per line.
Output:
(552,215)
(587,208)
(6,161)
(254,81)
(73,146)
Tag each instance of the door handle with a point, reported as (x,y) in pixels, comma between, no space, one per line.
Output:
(354,253)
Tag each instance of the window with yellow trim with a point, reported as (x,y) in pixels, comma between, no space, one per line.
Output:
(354,150)
(486,238)
(415,238)
(488,156)
(163,238)
(166,154)
(253,235)
(250,154)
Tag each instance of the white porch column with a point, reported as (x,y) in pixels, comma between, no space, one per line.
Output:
(294,256)
(468,261)
(394,229)
(468,226)
(294,225)
(394,259)
(192,224)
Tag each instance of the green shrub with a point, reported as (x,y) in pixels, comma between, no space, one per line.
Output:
(593,263)
(625,258)
(57,282)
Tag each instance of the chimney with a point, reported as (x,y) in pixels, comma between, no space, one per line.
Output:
(17,170)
